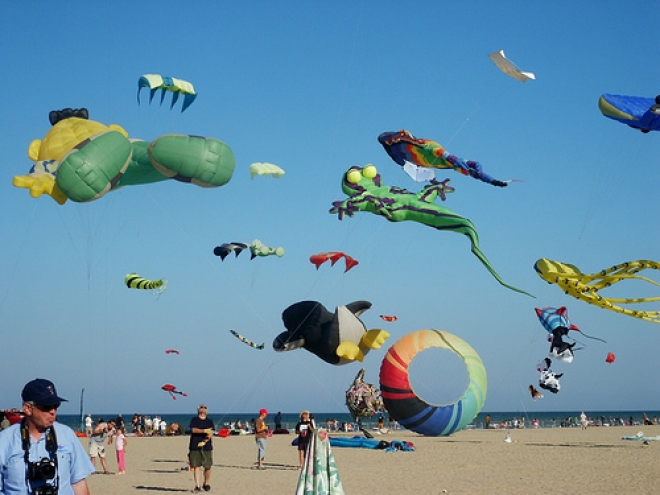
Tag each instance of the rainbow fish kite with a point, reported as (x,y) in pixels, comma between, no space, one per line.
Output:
(419,158)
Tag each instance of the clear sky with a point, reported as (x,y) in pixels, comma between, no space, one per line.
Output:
(309,86)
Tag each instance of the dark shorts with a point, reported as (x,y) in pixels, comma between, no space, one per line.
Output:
(201,458)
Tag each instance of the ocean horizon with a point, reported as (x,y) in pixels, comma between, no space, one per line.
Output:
(498,419)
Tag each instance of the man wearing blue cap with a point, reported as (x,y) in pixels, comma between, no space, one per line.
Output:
(40,456)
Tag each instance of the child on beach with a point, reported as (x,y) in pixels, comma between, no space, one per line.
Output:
(120,446)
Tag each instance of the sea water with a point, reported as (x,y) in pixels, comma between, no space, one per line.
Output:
(556,419)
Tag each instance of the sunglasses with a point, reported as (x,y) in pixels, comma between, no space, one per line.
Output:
(202,407)
(46,408)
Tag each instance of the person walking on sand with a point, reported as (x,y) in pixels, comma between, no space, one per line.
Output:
(120,447)
(260,434)
(200,451)
(583,420)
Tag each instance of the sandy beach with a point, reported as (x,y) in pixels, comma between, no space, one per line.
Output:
(537,461)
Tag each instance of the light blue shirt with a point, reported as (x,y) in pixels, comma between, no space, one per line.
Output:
(73,464)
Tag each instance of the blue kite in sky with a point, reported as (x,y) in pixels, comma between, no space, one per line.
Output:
(636,111)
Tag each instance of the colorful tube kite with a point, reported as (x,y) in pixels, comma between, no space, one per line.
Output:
(413,412)
(155,82)
(586,287)
(636,111)
(419,158)
(366,192)
(134,281)
(246,341)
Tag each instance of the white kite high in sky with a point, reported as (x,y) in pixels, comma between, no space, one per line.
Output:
(509,67)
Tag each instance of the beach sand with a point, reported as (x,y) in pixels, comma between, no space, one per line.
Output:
(537,461)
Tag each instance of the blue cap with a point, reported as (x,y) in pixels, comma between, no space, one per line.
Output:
(41,391)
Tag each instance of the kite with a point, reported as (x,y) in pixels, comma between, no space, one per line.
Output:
(134,281)
(172,351)
(552,318)
(265,169)
(366,192)
(81,159)
(419,157)
(610,358)
(636,111)
(555,318)
(248,342)
(363,399)
(585,287)
(548,379)
(157,82)
(411,411)
(171,389)
(337,338)
(257,248)
(333,256)
(535,393)
(388,318)
(509,67)
(225,249)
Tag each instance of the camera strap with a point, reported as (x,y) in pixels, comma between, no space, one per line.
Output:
(51,448)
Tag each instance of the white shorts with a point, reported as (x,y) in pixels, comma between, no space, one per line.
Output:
(96,450)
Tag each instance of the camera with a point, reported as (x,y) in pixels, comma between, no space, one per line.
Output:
(42,470)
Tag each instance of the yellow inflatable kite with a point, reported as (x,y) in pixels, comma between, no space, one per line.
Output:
(586,286)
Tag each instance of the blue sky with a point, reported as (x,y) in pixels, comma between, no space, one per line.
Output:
(310,86)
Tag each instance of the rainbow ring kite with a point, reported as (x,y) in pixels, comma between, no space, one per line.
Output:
(413,412)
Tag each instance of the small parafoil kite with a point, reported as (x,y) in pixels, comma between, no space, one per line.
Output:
(366,192)
(333,256)
(363,399)
(419,158)
(337,338)
(157,82)
(172,351)
(246,341)
(535,393)
(82,160)
(585,287)
(134,281)
(171,389)
(257,248)
(411,411)
(636,111)
(610,358)
(388,318)
(509,67)
(265,169)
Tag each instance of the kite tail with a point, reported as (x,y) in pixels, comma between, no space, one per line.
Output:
(482,257)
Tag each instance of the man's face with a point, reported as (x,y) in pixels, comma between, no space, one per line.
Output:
(40,415)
